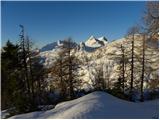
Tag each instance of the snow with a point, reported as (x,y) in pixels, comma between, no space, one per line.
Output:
(103,39)
(96,42)
(4,113)
(107,55)
(49,47)
(97,105)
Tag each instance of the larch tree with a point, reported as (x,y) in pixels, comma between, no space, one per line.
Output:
(143,66)
(151,19)
(123,67)
(72,67)
(65,69)
(131,34)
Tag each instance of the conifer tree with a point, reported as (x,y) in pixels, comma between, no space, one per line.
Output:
(9,70)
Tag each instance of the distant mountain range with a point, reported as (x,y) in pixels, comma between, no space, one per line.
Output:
(90,45)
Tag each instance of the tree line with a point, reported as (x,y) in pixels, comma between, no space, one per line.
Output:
(146,31)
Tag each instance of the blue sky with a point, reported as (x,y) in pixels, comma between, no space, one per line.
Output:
(50,21)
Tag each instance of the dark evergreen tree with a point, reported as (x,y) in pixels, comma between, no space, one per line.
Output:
(9,70)
(23,83)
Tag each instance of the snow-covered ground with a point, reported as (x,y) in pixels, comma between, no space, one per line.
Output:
(4,113)
(97,105)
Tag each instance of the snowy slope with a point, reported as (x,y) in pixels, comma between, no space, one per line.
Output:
(107,57)
(97,105)
(48,47)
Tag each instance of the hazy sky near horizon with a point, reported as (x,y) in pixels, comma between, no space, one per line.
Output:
(49,21)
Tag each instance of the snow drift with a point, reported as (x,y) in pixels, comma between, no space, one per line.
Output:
(97,105)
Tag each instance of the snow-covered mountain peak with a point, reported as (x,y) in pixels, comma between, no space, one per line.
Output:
(104,39)
(92,37)
(96,42)
(91,41)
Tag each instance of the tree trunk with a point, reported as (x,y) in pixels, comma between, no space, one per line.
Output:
(143,62)
(123,67)
(132,67)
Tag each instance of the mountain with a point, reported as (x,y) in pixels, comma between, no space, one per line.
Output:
(108,57)
(48,47)
(103,39)
(90,45)
(97,105)
(96,42)
(93,44)
(54,45)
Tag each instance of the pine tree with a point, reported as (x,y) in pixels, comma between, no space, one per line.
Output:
(9,68)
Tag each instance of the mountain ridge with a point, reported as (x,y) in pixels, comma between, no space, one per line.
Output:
(89,45)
